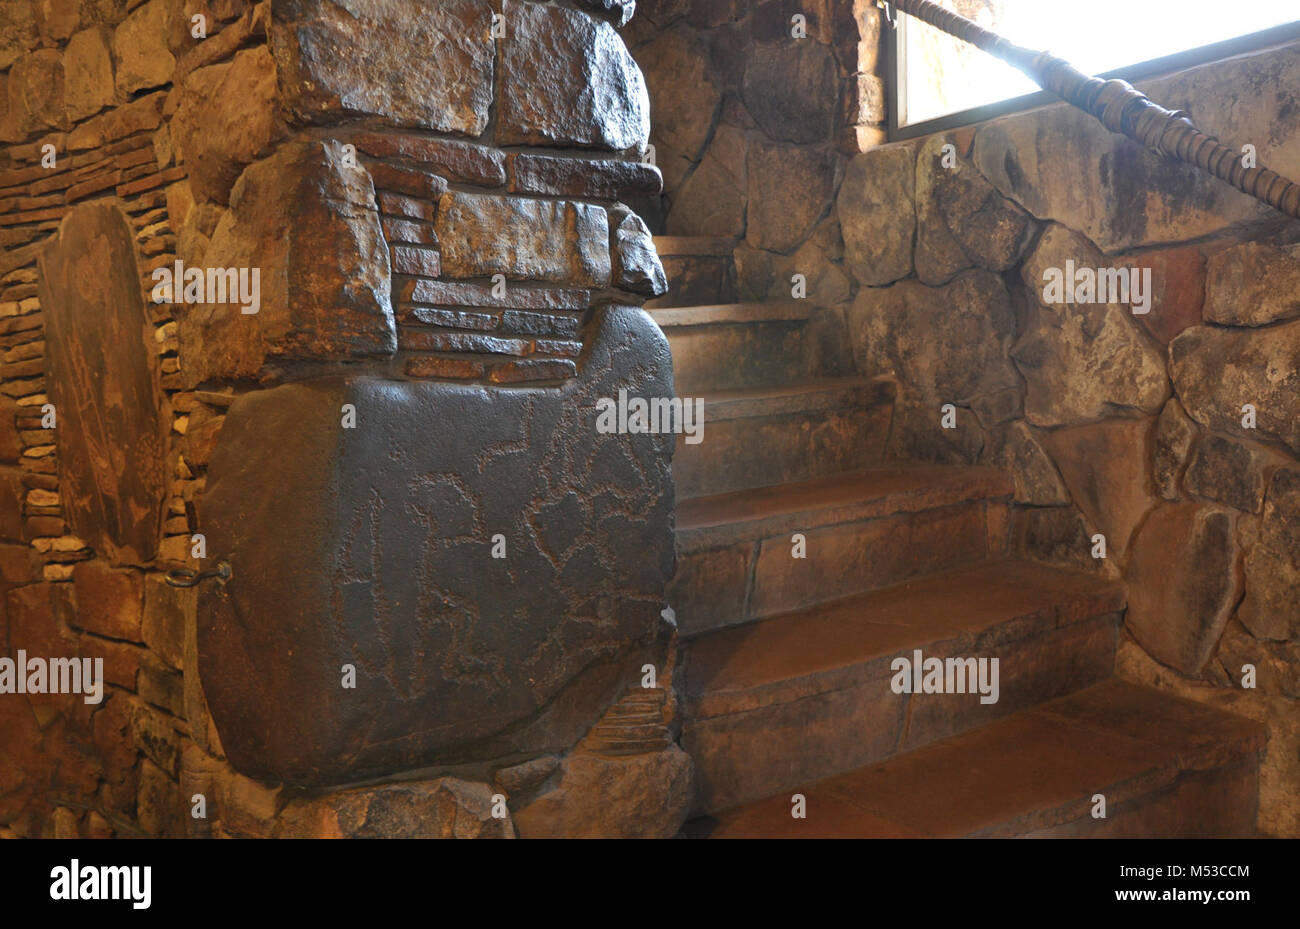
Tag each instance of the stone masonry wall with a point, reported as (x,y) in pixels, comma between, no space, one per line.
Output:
(1170,432)
(1130,426)
(431,194)
(756,108)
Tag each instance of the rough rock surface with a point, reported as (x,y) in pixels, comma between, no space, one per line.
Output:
(1230,472)
(645,796)
(412,63)
(18,31)
(962,220)
(1271,609)
(711,200)
(140,47)
(763,275)
(446,808)
(226,119)
(1178,289)
(790,189)
(1170,445)
(88,72)
(103,379)
(1082,362)
(562,241)
(1105,467)
(1218,371)
(878,214)
(35,95)
(1056,535)
(382,559)
(939,256)
(568,79)
(945,345)
(1253,284)
(309,222)
(1061,164)
(636,263)
(790,90)
(1037,481)
(916,434)
(676,69)
(1183,583)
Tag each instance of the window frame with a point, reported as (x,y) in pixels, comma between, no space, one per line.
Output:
(1179,61)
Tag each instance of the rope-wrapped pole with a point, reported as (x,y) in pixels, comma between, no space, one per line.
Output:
(1120,108)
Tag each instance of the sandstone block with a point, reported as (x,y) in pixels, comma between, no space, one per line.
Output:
(542,240)
(308,222)
(140,48)
(878,214)
(227,118)
(945,345)
(1271,609)
(1170,445)
(568,79)
(88,72)
(789,190)
(408,62)
(1253,284)
(636,263)
(1217,372)
(677,73)
(1082,361)
(791,88)
(1105,467)
(109,601)
(1183,582)
(638,796)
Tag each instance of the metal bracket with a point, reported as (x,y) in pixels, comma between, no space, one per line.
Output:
(184,577)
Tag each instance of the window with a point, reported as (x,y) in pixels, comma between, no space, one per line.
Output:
(939,81)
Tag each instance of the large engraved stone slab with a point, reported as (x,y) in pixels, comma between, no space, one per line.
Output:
(103,379)
(373,547)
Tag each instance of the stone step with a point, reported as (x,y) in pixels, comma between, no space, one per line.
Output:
(700,269)
(679,317)
(1167,767)
(737,345)
(760,436)
(860,531)
(808,694)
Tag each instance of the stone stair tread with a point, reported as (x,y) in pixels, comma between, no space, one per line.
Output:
(721,519)
(833,644)
(808,396)
(1031,771)
(731,313)
(686,246)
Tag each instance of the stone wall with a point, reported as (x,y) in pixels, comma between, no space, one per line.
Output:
(1112,423)
(430,193)
(755,109)
(1170,432)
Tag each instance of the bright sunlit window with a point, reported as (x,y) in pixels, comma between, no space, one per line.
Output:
(939,75)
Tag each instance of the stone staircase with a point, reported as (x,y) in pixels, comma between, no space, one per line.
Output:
(807,566)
